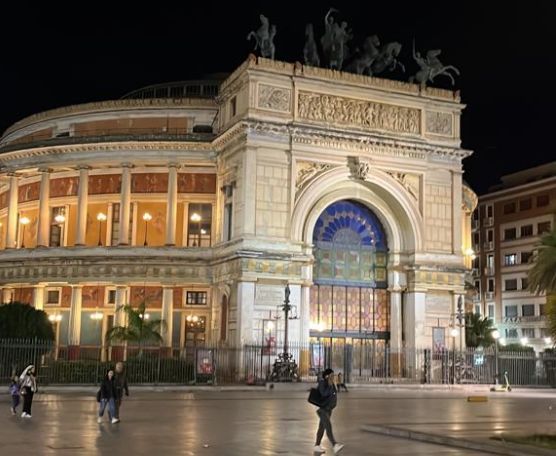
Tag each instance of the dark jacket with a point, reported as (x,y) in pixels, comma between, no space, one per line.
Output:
(328,392)
(108,389)
(121,384)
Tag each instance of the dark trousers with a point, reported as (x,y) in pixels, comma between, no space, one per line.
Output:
(325,425)
(118,405)
(27,400)
(15,401)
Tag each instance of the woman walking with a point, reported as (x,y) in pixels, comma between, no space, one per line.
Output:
(108,396)
(28,389)
(327,390)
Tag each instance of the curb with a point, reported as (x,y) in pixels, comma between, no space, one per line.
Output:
(492,448)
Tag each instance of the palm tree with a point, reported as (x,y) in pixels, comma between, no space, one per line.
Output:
(22,321)
(478,330)
(139,330)
(542,276)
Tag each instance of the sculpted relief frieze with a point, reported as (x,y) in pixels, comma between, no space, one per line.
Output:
(439,123)
(408,181)
(359,113)
(308,171)
(274,98)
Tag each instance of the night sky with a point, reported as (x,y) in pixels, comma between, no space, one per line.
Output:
(54,56)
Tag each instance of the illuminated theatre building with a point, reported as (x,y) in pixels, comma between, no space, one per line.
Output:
(204,199)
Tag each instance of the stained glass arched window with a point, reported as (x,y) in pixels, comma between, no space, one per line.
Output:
(350,246)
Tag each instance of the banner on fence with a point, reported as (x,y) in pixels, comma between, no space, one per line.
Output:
(205,362)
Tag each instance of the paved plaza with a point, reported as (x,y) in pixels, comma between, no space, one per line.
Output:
(266,422)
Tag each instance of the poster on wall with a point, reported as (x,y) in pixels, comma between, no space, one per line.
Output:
(438,341)
(205,362)
(269,347)
(317,357)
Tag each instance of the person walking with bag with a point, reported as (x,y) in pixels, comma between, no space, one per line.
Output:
(28,389)
(120,379)
(328,395)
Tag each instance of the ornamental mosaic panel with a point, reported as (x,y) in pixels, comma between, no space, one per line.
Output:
(149,183)
(104,184)
(196,183)
(64,186)
(28,192)
(358,113)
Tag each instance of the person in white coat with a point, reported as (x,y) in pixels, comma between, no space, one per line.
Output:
(28,388)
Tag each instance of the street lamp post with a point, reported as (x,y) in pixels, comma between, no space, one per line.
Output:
(285,367)
(24,221)
(101,217)
(454,334)
(147,218)
(496,336)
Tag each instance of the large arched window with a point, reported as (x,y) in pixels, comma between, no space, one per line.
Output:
(350,247)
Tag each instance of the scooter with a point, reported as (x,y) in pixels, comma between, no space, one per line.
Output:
(502,388)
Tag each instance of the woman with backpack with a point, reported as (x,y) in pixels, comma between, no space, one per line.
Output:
(328,394)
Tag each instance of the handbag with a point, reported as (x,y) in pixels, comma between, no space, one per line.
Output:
(315,397)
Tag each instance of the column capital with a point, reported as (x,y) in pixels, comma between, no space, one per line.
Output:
(11,173)
(127,165)
(45,170)
(75,286)
(83,167)
(174,165)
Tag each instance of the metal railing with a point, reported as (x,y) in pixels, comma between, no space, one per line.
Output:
(362,361)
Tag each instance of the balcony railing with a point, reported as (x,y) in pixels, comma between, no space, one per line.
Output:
(488,245)
(489,295)
(488,221)
(529,319)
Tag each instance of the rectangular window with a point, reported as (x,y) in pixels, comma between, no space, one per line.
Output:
(478,309)
(509,208)
(196,298)
(491,311)
(489,210)
(490,262)
(510,311)
(111,297)
(528,310)
(509,234)
(542,310)
(528,332)
(199,225)
(490,235)
(526,230)
(233,107)
(526,257)
(490,286)
(510,259)
(543,200)
(543,227)
(53,297)
(524,283)
(525,204)
(476,263)
(228,222)
(57,223)
(476,238)
(510,285)
(478,286)
(511,333)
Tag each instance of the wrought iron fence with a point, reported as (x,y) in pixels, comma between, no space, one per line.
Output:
(362,362)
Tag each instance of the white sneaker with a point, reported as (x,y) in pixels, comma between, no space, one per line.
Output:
(115,420)
(318,449)
(24,415)
(99,419)
(338,447)
(28,416)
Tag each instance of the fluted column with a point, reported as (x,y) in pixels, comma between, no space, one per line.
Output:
(167,315)
(119,315)
(11,230)
(38,297)
(43,230)
(125,202)
(172,204)
(74,330)
(82,201)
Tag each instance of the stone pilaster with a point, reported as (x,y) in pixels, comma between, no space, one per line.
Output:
(82,201)
(11,231)
(125,204)
(172,204)
(43,230)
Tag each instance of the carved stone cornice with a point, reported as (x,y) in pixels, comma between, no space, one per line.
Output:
(127,146)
